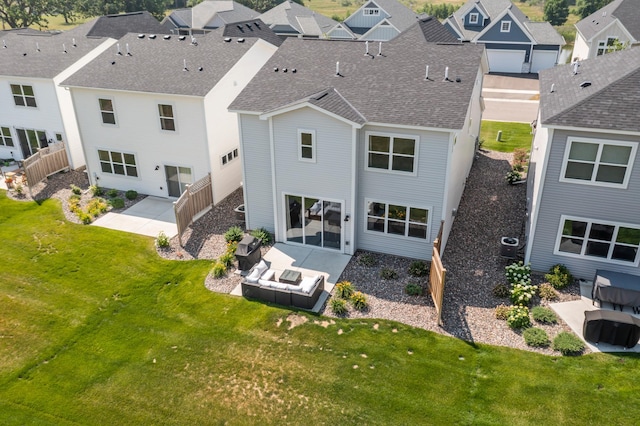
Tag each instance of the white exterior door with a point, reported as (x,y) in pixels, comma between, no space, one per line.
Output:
(510,61)
(543,59)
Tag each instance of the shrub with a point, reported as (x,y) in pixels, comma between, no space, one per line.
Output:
(501,290)
(162,240)
(568,344)
(413,289)
(518,317)
(117,203)
(232,247)
(112,193)
(131,194)
(513,176)
(536,337)
(19,189)
(96,207)
(338,306)
(227,259)
(74,197)
(74,205)
(522,293)
(344,289)
(547,292)
(520,157)
(219,269)
(233,234)
(367,259)
(544,315)
(263,235)
(96,190)
(502,312)
(76,189)
(517,272)
(388,274)
(359,300)
(84,217)
(419,268)
(559,276)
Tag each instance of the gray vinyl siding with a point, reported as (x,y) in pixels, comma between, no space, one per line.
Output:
(467,18)
(358,20)
(515,35)
(424,190)
(340,33)
(448,26)
(383,33)
(585,201)
(256,159)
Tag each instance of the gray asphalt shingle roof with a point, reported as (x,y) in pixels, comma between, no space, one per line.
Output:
(626,11)
(157,65)
(434,31)
(116,26)
(204,14)
(401,16)
(292,14)
(254,28)
(610,102)
(390,88)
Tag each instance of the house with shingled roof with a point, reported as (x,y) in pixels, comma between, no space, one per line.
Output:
(34,110)
(206,16)
(597,34)
(514,43)
(584,177)
(117,25)
(375,20)
(152,110)
(291,19)
(360,145)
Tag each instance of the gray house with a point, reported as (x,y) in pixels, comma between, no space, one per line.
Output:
(584,185)
(207,16)
(514,44)
(349,146)
(290,19)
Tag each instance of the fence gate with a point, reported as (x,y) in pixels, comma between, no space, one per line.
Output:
(196,198)
(437,274)
(45,162)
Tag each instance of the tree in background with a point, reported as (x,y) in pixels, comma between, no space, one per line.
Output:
(440,11)
(260,6)
(65,8)
(587,7)
(108,7)
(556,11)
(23,13)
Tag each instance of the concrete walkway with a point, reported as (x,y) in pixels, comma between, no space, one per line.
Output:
(510,98)
(148,217)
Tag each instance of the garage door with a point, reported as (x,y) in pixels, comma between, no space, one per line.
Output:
(543,59)
(505,60)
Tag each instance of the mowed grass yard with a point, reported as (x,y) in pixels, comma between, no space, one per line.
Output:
(96,329)
(514,135)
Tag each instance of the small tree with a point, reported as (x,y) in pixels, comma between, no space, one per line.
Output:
(556,12)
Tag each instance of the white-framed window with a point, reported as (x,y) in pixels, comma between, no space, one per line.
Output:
(598,162)
(606,46)
(397,219)
(505,26)
(118,163)
(595,239)
(393,153)
(473,18)
(371,12)
(5,136)
(23,95)
(307,145)
(167,120)
(107,111)
(231,155)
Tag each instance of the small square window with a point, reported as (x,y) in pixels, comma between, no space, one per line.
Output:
(23,95)
(473,18)
(505,26)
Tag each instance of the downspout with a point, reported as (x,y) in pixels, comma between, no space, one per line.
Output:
(354,195)
(276,223)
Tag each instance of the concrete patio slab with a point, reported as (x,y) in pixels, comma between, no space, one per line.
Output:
(148,217)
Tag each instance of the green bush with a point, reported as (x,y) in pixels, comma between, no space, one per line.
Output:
(522,293)
(131,194)
(96,190)
(547,292)
(501,290)
(413,289)
(513,176)
(536,337)
(84,217)
(344,289)
(544,315)
(227,259)
(76,189)
(518,317)
(263,235)
(359,301)
(518,272)
(568,344)
(112,193)
(559,276)
(162,240)
(74,197)
(338,306)
(219,269)
(388,274)
(419,268)
(233,234)
(117,203)
(367,259)
(502,312)
(96,207)
(232,246)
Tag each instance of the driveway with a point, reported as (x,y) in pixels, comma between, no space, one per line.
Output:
(510,98)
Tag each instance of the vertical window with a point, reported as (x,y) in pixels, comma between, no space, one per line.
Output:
(371,12)
(606,46)
(392,153)
(307,145)
(606,163)
(229,156)
(505,26)
(107,111)
(23,95)
(166,117)
(118,163)
(397,219)
(473,18)
(5,137)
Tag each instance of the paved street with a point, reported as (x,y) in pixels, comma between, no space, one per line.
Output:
(509,98)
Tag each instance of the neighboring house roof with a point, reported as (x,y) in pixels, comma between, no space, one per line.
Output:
(434,31)
(291,17)
(21,57)
(204,15)
(116,26)
(252,28)
(610,102)
(399,15)
(627,12)
(544,33)
(388,88)
(179,18)
(158,65)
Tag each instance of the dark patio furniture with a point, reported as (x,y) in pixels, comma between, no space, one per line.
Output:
(617,288)
(289,276)
(248,252)
(615,328)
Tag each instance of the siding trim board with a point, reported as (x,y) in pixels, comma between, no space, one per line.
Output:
(272,150)
(591,130)
(284,110)
(498,21)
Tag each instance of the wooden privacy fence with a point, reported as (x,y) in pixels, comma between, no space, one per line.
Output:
(196,198)
(437,274)
(45,162)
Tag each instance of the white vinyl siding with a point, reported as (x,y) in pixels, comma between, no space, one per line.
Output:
(228,157)
(392,153)
(5,136)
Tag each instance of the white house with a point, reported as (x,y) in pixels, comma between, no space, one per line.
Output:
(152,110)
(354,145)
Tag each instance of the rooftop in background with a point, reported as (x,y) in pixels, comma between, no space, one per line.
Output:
(626,11)
(290,18)
(252,28)
(116,26)
(434,31)
(210,14)
(400,16)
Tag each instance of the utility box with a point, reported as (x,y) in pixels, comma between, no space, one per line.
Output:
(509,247)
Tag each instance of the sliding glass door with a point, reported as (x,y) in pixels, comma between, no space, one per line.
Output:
(313,221)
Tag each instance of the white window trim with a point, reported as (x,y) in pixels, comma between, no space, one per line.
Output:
(387,234)
(557,252)
(229,157)
(175,117)
(113,105)
(369,11)
(3,137)
(416,153)
(600,142)
(313,145)
(24,97)
(604,45)
(508,26)
(474,18)
(117,175)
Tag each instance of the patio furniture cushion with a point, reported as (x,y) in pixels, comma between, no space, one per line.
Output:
(268,275)
(308,282)
(253,277)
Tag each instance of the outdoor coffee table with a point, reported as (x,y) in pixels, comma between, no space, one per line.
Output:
(290,277)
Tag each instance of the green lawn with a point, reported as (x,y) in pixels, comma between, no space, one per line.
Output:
(96,329)
(514,135)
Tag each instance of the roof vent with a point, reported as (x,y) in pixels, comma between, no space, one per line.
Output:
(426,73)
(458,80)
(227,39)
(239,27)
(152,36)
(446,74)
(4,44)
(128,51)
(380,49)
(338,69)
(194,41)
(113,62)
(553,88)
(182,37)
(64,48)
(167,37)
(584,84)
(284,70)
(275,69)
(118,47)
(24,54)
(140,35)
(200,69)
(73,41)
(256,25)
(575,66)
(240,40)
(185,65)
(249,26)
(293,70)
(37,47)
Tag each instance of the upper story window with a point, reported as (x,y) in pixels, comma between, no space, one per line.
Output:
(118,163)
(107,111)
(167,121)
(607,46)
(604,163)
(473,18)
(614,242)
(394,153)
(306,145)
(371,12)
(505,26)
(23,95)
(5,137)
(397,219)
(229,156)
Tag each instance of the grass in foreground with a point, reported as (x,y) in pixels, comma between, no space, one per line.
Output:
(514,135)
(96,329)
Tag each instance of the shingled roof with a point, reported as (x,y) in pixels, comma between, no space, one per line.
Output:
(288,16)
(400,16)
(116,26)
(626,11)
(252,28)
(388,88)
(204,15)
(434,31)
(609,100)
